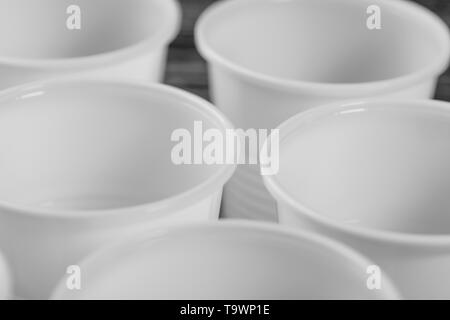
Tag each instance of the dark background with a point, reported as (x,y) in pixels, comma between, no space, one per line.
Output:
(187,70)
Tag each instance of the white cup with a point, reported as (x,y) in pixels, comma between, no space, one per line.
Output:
(83,163)
(5,279)
(376,176)
(116,39)
(270,59)
(226,260)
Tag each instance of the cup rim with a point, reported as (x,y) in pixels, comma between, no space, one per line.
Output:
(165,34)
(437,29)
(279,231)
(175,201)
(282,195)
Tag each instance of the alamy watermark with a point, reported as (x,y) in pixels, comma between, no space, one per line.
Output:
(374,279)
(73,21)
(234,146)
(373,21)
(73,281)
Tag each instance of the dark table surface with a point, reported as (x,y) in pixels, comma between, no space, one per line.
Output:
(187,70)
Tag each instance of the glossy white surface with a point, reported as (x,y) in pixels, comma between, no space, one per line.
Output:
(5,280)
(117,39)
(270,59)
(374,175)
(226,261)
(85,163)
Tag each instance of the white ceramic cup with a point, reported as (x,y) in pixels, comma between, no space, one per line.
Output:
(270,59)
(5,279)
(376,176)
(226,260)
(83,163)
(126,39)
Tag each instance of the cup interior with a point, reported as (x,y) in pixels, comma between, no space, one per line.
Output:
(37,29)
(379,165)
(324,41)
(93,145)
(222,263)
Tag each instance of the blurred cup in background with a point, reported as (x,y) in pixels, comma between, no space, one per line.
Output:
(126,39)
(226,260)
